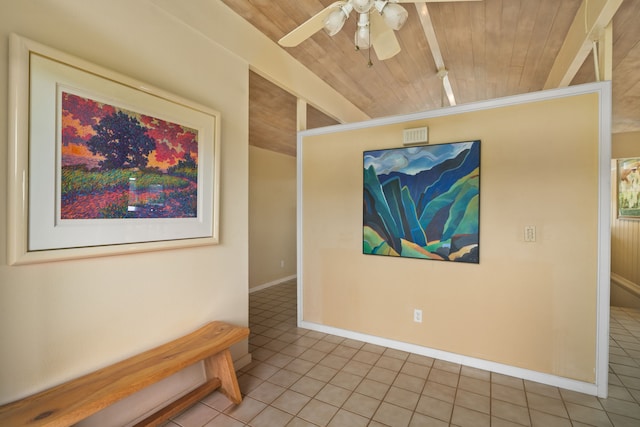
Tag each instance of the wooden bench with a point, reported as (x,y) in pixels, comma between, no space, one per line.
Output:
(77,399)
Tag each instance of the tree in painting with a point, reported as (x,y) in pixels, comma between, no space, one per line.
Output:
(122,141)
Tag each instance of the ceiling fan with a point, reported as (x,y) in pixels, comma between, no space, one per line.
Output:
(377,19)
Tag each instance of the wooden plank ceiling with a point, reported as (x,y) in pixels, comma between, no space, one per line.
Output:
(491,48)
(272,116)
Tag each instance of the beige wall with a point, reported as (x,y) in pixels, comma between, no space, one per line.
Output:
(527,305)
(625,233)
(625,145)
(272,217)
(61,319)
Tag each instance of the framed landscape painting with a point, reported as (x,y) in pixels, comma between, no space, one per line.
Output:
(423,202)
(102,164)
(117,163)
(628,185)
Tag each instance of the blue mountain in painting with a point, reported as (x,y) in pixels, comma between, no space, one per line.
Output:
(430,214)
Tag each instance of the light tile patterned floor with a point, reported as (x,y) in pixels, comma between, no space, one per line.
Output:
(306,378)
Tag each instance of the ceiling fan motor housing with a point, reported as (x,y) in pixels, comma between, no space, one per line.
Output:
(362,6)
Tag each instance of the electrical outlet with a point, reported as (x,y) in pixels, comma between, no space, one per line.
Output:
(417,315)
(281,263)
(529,233)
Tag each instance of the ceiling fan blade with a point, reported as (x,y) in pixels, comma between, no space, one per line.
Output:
(383,39)
(309,27)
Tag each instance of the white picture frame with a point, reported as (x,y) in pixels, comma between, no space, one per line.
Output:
(40,78)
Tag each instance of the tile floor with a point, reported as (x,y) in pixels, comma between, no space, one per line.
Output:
(306,378)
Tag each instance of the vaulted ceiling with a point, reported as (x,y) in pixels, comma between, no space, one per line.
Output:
(272,116)
(491,49)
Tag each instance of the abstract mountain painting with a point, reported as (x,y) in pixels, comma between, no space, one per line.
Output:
(423,202)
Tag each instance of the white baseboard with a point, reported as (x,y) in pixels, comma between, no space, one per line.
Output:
(526,374)
(270,284)
(627,285)
(624,292)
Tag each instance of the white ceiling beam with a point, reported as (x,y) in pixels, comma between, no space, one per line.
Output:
(605,53)
(588,26)
(432,40)
(301,115)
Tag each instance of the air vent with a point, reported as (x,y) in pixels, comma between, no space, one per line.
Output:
(415,136)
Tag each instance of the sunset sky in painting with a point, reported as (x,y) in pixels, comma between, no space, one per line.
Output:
(79,114)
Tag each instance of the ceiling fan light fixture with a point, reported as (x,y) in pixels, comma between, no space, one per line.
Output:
(362,6)
(334,22)
(363,37)
(394,15)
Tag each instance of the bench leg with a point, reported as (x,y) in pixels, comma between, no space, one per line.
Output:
(221,366)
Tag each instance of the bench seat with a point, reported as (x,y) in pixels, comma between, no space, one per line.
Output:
(77,399)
